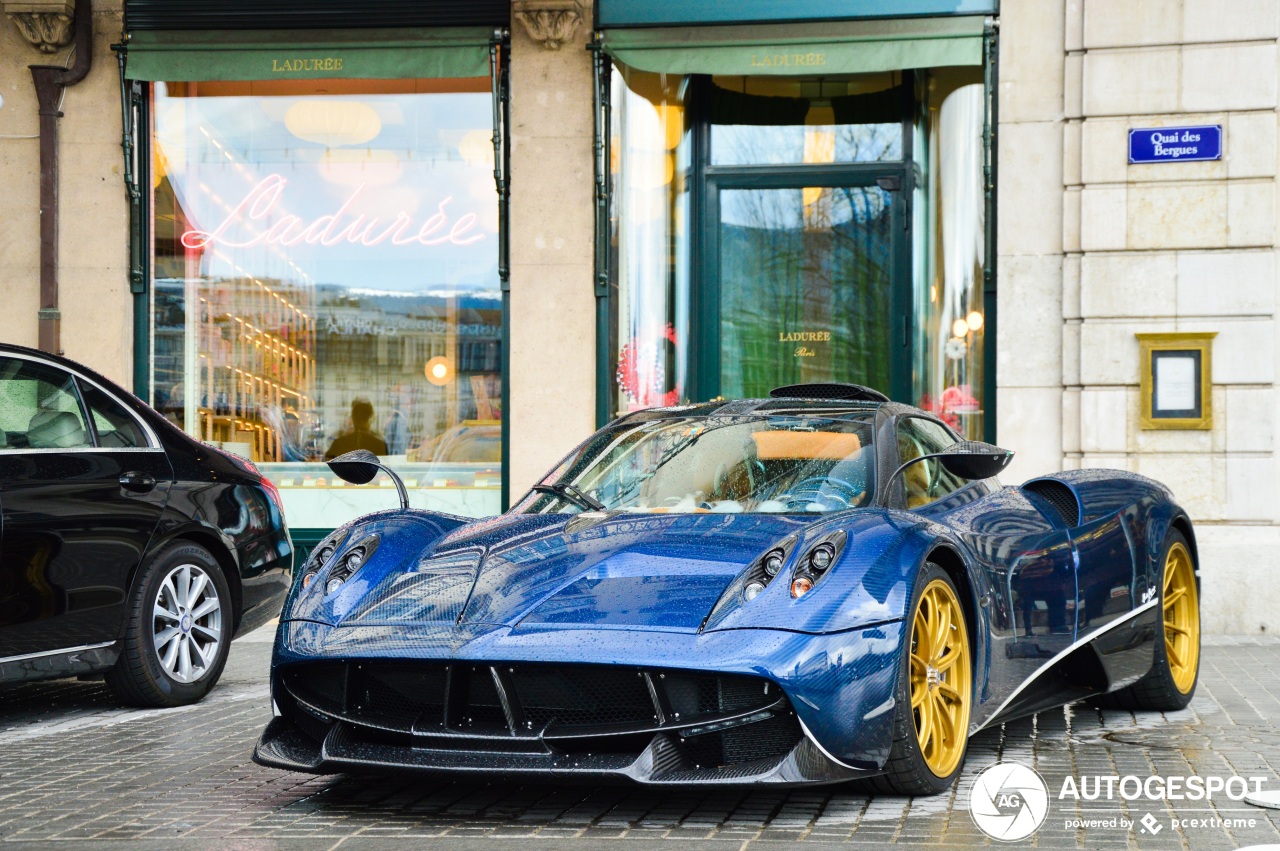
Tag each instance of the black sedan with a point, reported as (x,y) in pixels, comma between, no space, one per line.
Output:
(127,547)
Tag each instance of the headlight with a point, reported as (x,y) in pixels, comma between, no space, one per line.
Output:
(752,591)
(347,564)
(773,563)
(813,564)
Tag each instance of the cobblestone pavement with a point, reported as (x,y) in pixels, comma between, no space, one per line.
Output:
(74,768)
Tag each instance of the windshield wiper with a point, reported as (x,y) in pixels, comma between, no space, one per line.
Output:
(572,493)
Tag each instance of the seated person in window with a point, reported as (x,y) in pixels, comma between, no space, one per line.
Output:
(360,436)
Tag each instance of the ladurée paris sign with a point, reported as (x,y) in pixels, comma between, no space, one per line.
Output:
(258,220)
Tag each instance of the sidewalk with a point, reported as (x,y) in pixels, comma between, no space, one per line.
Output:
(75,768)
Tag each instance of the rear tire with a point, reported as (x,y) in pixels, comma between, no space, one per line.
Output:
(178,630)
(935,692)
(1171,682)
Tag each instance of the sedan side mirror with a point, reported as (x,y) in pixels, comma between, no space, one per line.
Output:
(359,466)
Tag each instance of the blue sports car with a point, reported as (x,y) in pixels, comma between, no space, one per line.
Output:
(812,588)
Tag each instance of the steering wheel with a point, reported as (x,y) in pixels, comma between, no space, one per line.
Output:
(810,490)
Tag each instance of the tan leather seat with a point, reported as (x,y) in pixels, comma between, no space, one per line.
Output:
(56,430)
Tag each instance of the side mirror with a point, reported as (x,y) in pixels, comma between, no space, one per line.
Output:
(360,466)
(973,459)
(968,459)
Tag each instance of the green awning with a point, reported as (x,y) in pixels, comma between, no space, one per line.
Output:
(308,54)
(848,47)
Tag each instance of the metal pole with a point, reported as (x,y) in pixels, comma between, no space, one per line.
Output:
(51,82)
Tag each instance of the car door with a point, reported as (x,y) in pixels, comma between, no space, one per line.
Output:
(82,486)
(1028,562)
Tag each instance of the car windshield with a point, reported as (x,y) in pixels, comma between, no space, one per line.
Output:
(790,463)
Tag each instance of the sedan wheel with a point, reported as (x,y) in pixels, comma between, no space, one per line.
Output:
(187,626)
(178,630)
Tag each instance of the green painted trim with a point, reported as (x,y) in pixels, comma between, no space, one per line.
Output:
(640,13)
(829,48)
(304,541)
(308,54)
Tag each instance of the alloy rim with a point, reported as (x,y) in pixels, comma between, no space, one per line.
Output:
(941,675)
(1181,618)
(186,623)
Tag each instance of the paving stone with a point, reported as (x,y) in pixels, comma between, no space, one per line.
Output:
(76,769)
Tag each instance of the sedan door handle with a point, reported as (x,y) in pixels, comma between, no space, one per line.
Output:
(137,482)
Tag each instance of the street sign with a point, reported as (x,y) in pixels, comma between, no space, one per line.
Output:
(1175,144)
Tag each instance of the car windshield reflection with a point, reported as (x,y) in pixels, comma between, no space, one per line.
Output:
(727,465)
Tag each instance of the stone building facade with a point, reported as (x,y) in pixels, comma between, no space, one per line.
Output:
(1094,250)
(1091,249)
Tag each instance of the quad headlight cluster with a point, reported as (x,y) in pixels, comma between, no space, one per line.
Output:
(810,567)
(341,564)
(813,565)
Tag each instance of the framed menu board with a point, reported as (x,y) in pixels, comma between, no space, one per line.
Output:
(1177,380)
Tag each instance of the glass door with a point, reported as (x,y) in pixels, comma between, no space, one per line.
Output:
(808,280)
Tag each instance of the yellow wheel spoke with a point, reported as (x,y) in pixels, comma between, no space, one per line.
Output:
(1174,657)
(946,725)
(942,630)
(925,731)
(946,691)
(1173,597)
(946,662)
(1176,629)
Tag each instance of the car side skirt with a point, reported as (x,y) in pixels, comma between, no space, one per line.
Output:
(64,662)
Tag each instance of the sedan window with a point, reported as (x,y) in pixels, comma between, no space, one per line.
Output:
(39,408)
(115,427)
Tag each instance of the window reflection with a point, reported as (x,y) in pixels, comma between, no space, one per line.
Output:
(950,325)
(326,279)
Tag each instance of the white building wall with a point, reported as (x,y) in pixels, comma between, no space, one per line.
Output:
(1152,248)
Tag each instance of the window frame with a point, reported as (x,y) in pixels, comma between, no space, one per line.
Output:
(900,496)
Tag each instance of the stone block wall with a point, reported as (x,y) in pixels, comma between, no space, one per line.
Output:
(97,308)
(1149,248)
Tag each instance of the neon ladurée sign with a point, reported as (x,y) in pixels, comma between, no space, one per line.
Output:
(340,226)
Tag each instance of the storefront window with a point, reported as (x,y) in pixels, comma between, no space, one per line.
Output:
(325,278)
(950,321)
(652,260)
(763,235)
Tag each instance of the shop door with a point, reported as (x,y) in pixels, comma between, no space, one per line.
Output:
(810,275)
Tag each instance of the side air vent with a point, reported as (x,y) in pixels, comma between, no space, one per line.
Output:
(831,390)
(1059,497)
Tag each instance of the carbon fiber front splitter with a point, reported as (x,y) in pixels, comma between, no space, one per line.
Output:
(284,745)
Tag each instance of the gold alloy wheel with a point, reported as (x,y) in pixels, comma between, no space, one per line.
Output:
(941,675)
(1181,618)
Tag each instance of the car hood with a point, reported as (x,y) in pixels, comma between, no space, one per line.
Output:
(662,571)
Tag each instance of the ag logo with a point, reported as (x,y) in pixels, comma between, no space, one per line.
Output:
(1009,801)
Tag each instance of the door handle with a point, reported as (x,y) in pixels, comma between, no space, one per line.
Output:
(137,482)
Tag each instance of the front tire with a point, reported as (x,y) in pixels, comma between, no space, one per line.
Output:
(178,630)
(935,692)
